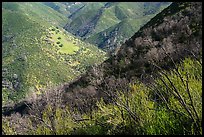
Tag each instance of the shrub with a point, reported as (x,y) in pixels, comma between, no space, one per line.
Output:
(172,105)
(141,113)
(180,92)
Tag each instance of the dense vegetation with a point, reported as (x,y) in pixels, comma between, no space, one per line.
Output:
(151,85)
(172,105)
(31,60)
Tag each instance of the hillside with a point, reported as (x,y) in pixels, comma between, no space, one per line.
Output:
(94,20)
(152,85)
(111,38)
(84,19)
(37,52)
(38,12)
(169,37)
(65,8)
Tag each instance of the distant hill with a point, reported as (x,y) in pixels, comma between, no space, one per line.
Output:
(38,12)
(107,24)
(65,8)
(37,52)
(113,37)
(168,38)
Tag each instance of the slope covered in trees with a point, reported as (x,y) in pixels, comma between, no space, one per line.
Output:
(152,85)
(169,37)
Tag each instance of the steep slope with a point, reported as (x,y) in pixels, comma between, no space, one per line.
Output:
(113,37)
(102,17)
(167,108)
(87,7)
(83,21)
(38,12)
(65,8)
(171,36)
(36,52)
(59,7)
(140,112)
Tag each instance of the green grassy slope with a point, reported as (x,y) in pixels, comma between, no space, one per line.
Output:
(101,19)
(107,19)
(38,11)
(31,58)
(89,6)
(112,37)
(152,86)
(61,8)
(65,8)
(83,17)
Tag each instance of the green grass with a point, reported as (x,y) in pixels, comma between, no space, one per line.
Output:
(36,62)
(68,46)
(37,12)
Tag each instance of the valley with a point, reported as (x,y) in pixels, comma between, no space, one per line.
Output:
(102,68)
(31,60)
(110,24)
